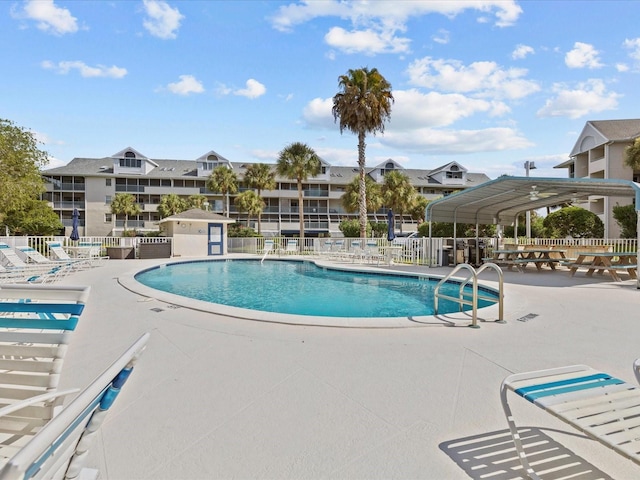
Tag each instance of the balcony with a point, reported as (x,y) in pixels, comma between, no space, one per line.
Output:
(316,192)
(130,188)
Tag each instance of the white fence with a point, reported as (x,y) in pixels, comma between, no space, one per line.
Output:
(416,251)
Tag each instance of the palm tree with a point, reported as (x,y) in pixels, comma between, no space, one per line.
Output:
(261,177)
(125,204)
(362,105)
(170,205)
(419,208)
(250,202)
(225,181)
(398,193)
(632,155)
(298,161)
(196,201)
(350,200)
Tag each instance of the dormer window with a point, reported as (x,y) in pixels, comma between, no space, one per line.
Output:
(452,174)
(130,160)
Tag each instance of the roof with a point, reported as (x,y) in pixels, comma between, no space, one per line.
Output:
(618,130)
(502,199)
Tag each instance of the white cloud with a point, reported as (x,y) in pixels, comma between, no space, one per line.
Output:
(483,79)
(366,41)
(583,55)
(633,45)
(162,21)
(254,89)
(187,85)
(521,51)
(440,141)
(50,17)
(416,122)
(390,11)
(622,67)
(586,98)
(442,37)
(375,25)
(85,70)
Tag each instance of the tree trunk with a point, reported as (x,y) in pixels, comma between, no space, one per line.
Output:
(362,197)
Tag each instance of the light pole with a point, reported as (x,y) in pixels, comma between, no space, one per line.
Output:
(528,166)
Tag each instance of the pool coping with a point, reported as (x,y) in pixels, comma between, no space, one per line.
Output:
(128,281)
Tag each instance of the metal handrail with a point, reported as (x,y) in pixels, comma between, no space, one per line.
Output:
(473,302)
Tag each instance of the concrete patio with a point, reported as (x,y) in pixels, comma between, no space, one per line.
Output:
(220,397)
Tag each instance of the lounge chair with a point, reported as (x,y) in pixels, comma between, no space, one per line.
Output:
(603,407)
(31,255)
(292,247)
(60,448)
(36,325)
(59,254)
(9,257)
(372,252)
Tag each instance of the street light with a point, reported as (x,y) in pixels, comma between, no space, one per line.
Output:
(528,166)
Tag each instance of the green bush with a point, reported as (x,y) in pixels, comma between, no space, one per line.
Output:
(573,222)
(351,228)
(237,230)
(626,218)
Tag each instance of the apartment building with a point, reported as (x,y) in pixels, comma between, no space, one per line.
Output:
(90,184)
(599,153)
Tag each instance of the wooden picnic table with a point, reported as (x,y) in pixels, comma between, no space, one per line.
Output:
(610,262)
(520,258)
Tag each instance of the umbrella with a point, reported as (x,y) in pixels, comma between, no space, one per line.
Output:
(390,226)
(74,226)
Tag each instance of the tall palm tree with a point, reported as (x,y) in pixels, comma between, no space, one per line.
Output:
(362,105)
(225,181)
(170,205)
(125,204)
(250,202)
(398,193)
(298,161)
(632,155)
(261,177)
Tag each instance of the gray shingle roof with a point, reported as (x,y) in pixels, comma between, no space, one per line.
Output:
(620,130)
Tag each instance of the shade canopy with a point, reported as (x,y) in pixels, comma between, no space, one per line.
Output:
(501,200)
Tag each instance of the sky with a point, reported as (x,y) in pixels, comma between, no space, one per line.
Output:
(488,84)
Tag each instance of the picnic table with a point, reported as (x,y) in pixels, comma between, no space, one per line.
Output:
(610,262)
(521,258)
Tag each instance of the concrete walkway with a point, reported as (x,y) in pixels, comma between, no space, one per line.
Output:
(215,397)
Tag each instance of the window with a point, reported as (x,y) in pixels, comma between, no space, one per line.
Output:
(454,174)
(130,162)
(166,183)
(107,200)
(107,218)
(107,182)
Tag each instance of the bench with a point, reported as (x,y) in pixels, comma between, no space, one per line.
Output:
(595,403)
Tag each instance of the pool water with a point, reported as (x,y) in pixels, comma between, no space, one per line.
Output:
(301,288)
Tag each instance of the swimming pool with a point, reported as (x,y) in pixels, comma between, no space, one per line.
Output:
(301,288)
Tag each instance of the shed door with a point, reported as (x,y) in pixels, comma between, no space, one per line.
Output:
(215,239)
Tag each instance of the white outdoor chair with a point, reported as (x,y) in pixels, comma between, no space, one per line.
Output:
(605,408)
(60,448)
(36,325)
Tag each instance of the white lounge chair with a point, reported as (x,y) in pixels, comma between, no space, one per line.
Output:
(60,448)
(9,257)
(268,247)
(59,254)
(36,325)
(291,247)
(31,255)
(603,407)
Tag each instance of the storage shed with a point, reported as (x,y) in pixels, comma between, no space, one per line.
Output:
(197,233)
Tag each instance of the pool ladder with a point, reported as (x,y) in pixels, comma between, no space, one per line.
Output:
(462,298)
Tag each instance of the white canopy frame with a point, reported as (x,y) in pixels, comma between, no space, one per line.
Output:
(500,201)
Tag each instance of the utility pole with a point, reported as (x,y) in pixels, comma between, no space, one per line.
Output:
(528,166)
